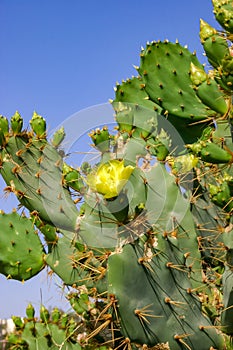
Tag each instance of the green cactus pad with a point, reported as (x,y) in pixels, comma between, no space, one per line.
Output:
(75,266)
(58,137)
(154,305)
(167,208)
(208,217)
(21,251)
(165,67)
(227,313)
(132,91)
(32,169)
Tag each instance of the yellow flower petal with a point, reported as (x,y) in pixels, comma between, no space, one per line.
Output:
(110,178)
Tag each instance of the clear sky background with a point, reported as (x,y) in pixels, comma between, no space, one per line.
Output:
(59,57)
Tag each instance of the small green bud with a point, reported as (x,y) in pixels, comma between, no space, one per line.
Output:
(4,130)
(19,324)
(58,137)
(38,125)
(227,64)
(30,311)
(72,178)
(16,123)
(64,320)
(101,139)
(49,232)
(12,338)
(44,314)
(159,146)
(206,31)
(197,75)
(71,327)
(86,168)
(4,126)
(207,133)
(56,314)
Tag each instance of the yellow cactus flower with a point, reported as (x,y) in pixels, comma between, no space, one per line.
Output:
(110,178)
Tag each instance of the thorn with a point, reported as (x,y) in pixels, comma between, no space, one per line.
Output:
(186,46)
(38,174)
(39,160)
(61,210)
(38,191)
(19,152)
(136,67)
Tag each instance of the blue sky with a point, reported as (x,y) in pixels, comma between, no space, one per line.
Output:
(59,57)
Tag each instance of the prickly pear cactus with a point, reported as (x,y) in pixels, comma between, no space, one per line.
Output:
(146,259)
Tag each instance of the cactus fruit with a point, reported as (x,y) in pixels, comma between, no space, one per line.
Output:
(72,178)
(58,137)
(214,44)
(38,125)
(16,123)
(211,152)
(101,139)
(4,129)
(207,90)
